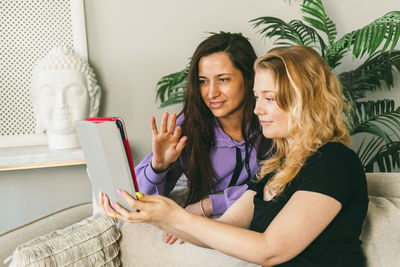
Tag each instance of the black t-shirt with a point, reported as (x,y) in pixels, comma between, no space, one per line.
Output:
(333,170)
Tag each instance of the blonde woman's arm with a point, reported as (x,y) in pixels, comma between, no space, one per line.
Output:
(291,231)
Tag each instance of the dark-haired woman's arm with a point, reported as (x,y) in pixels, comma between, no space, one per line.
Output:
(222,201)
(167,145)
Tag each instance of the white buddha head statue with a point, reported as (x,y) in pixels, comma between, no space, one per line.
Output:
(64,90)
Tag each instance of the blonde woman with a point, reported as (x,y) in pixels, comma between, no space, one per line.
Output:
(309,204)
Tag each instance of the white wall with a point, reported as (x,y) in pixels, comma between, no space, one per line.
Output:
(131,45)
(140,41)
(29,194)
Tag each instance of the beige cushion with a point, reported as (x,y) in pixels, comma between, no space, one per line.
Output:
(142,245)
(381,229)
(91,242)
(56,220)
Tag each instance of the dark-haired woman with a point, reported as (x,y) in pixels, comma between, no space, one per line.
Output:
(214,142)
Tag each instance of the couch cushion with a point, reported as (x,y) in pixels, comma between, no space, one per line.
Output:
(381,230)
(91,242)
(57,220)
(142,245)
(384,184)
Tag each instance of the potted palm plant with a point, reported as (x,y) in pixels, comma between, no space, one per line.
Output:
(378,121)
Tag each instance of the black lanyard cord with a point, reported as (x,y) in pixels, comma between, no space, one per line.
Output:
(246,162)
(239,166)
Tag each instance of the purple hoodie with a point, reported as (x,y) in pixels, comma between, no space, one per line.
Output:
(223,161)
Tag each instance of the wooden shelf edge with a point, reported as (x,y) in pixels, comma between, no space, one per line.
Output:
(43,165)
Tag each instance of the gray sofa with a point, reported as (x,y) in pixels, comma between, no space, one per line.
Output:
(380,235)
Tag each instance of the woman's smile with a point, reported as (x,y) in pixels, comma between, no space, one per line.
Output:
(262,122)
(216,104)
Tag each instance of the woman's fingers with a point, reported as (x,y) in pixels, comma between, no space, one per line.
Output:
(143,206)
(163,127)
(167,237)
(115,210)
(136,204)
(170,239)
(181,144)
(153,125)
(182,141)
(150,208)
(164,124)
(126,215)
(178,132)
(101,202)
(127,197)
(172,123)
(107,209)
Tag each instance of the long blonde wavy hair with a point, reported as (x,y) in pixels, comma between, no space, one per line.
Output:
(312,97)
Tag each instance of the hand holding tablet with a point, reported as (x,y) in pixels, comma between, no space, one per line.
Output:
(108,157)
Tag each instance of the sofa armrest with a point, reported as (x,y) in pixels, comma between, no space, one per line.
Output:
(58,220)
(381,229)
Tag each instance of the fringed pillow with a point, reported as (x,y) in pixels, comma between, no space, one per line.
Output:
(91,242)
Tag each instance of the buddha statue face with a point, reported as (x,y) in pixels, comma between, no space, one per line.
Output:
(64,91)
(62,99)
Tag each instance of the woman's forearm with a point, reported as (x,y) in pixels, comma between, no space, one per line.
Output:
(239,214)
(232,240)
(229,236)
(187,237)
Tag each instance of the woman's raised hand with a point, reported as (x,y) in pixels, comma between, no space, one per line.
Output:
(167,143)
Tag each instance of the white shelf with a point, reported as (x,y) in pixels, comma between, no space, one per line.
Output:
(17,158)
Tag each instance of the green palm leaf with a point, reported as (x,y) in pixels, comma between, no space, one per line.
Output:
(337,51)
(171,88)
(294,32)
(378,118)
(368,76)
(386,158)
(174,98)
(319,19)
(370,37)
(368,149)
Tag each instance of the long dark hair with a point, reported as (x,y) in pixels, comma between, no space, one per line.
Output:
(199,122)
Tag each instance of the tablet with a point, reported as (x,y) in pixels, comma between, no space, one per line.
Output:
(106,158)
(121,126)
